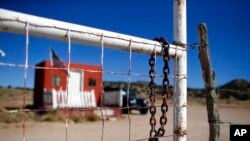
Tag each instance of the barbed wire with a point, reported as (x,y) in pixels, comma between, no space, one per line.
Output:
(231,90)
(195,45)
(91,33)
(182,45)
(223,122)
(78,109)
(26,66)
(86,70)
(217,89)
(110,72)
(191,45)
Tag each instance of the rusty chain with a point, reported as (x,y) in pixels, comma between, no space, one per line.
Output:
(165,83)
(152,107)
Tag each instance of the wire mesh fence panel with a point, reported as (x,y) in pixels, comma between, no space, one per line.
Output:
(73,91)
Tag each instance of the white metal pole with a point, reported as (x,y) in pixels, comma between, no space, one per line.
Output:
(180,93)
(16,22)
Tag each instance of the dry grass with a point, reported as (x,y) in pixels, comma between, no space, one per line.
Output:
(227,103)
(12,99)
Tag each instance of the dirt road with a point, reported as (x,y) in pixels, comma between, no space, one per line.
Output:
(118,130)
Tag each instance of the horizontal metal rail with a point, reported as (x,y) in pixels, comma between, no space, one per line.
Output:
(16,22)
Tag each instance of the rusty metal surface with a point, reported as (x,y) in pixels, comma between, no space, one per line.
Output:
(154,134)
(152,108)
(15,22)
(180,132)
(180,84)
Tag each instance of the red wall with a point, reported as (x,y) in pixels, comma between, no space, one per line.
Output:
(43,80)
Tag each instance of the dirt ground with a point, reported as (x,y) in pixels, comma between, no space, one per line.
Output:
(117,130)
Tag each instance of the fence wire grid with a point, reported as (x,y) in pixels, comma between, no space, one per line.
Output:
(26,66)
(129,73)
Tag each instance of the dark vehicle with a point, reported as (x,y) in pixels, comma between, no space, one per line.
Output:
(118,97)
(135,102)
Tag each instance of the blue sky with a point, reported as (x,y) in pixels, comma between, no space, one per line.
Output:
(227,22)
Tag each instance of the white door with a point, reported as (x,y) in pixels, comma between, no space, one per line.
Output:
(75,81)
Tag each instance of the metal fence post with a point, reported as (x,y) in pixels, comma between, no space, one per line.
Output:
(180,93)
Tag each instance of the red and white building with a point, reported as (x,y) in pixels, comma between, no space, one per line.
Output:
(84,87)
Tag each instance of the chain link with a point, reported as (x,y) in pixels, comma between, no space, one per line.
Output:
(165,83)
(152,85)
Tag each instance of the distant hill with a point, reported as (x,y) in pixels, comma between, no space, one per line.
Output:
(237,84)
(237,88)
(141,87)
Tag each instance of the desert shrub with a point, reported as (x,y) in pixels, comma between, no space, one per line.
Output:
(76,119)
(92,117)
(49,116)
(11,117)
